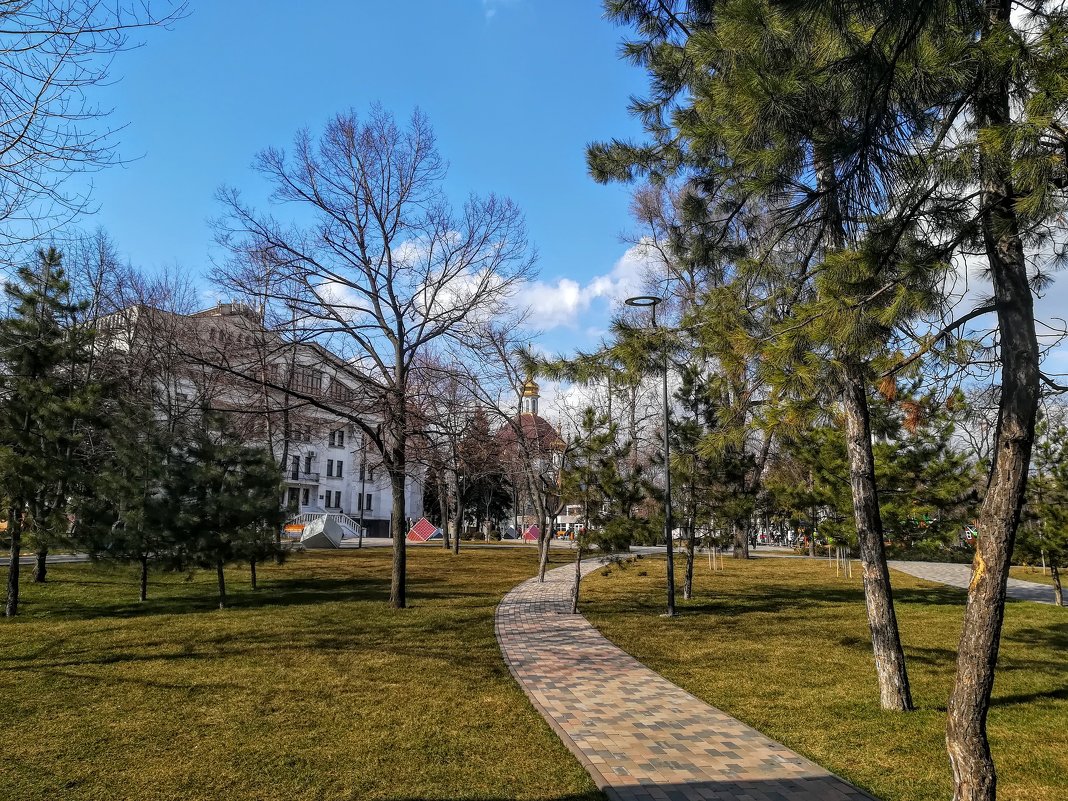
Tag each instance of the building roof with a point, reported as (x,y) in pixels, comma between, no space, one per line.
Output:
(538,433)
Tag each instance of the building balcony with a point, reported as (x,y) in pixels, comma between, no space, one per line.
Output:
(301,477)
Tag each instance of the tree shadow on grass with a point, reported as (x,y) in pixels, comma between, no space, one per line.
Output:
(801,599)
(172,598)
(438,637)
(166,599)
(1053,636)
(592,795)
(1055,694)
(801,787)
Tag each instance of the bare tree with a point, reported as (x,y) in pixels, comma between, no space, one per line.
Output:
(377,266)
(52,52)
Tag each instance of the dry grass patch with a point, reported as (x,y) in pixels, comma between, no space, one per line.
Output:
(309,688)
(783,645)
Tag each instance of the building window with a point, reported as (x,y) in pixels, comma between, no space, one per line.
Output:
(308,462)
(295,467)
(340,466)
(337,438)
(307,379)
(337,500)
(370,474)
(367,503)
(330,468)
(305,496)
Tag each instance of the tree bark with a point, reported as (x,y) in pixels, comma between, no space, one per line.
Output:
(222,583)
(543,542)
(815,512)
(397,589)
(252,572)
(740,538)
(974,776)
(443,510)
(1055,574)
(143,594)
(578,576)
(459,526)
(893,678)
(691,544)
(40,569)
(14,527)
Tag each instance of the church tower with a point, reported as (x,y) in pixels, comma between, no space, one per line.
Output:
(531,393)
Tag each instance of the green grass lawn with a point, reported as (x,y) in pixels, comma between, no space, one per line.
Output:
(783,645)
(309,688)
(1035,574)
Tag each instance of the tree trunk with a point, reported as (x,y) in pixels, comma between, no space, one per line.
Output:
(578,576)
(40,569)
(974,776)
(691,544)
(143,595)
(459,527)
(252,573)
(286,433)
(1055,574)
(740,538)
(397,589)
(222,583)
(14,526)
(543,542)
(443,510)
(893,677)
(815,514)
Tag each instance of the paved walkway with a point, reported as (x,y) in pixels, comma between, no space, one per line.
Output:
(641,737)
(960,575)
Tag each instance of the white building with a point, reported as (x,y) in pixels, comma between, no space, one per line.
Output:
(297,399)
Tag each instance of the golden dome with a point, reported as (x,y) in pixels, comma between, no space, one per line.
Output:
(530,389)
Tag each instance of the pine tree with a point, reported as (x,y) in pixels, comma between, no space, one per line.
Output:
(593,479)
(767,97)
(1044,534)
(46,404)
(227,496)
(128,514)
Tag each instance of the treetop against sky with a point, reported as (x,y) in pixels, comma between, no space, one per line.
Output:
(514,89)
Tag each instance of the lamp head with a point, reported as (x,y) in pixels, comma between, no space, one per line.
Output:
(643,301)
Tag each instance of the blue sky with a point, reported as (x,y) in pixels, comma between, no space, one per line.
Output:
(515,90)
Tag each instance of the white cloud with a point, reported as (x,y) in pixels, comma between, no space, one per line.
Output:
(565,303)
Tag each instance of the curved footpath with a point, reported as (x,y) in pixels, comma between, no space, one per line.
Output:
(641,737)
(948,573)
(960,576)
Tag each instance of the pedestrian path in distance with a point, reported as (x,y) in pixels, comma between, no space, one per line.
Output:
(955,575)
(641,737)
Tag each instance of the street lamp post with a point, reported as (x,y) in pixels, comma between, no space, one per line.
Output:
(651,302)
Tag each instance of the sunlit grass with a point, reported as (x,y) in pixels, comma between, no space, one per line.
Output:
(783,645)
(309,688)
(1035,574)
